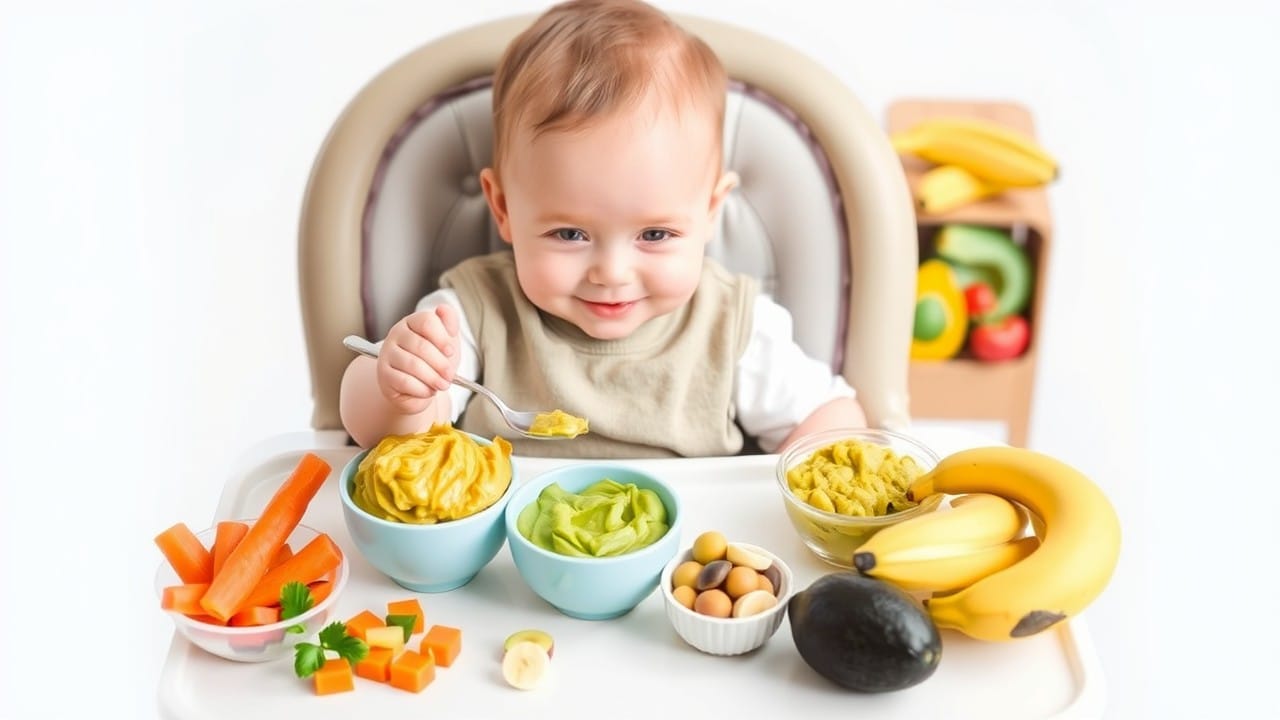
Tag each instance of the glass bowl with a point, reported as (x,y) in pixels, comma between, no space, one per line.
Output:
(832,536)
(258,643)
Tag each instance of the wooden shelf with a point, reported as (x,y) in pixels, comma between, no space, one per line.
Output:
(963,388)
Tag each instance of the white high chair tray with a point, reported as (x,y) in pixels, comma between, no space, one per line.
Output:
(633,666)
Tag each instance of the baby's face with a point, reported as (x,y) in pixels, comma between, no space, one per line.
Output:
(609,223)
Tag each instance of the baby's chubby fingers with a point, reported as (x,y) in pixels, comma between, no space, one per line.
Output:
(413,349)
(438,326)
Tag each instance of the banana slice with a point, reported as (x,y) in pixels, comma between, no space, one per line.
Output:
(754,603)
(524,664)
(739,555)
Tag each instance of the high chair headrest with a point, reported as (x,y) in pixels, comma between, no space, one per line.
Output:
(783,224)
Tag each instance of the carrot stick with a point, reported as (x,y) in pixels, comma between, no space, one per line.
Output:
(228,536)
(183,598)
(320,590)
(255,615)
(315,559)
(208,619)
(250,560)
(190,559)
(284,553)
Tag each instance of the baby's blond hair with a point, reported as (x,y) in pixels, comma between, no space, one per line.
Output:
(584,59)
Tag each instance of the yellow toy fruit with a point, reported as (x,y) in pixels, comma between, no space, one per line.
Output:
(942,318)
(991,152)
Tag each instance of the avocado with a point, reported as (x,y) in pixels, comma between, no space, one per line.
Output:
(864,634)
(987,250)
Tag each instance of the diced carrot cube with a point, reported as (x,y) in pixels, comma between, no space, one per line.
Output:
(334,677)
(256,615)
(412,671)
(443,643)
(387,636)
(376,665)
(408,607)
(365,620)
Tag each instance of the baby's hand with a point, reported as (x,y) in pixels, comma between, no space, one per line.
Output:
(418,358)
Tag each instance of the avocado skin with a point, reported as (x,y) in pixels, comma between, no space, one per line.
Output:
(864,634)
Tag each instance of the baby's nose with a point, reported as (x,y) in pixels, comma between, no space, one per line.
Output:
(612,266)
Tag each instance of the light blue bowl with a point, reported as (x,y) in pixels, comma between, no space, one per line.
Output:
(425,558)
(593,588)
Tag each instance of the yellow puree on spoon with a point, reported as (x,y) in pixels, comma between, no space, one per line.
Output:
(558,423)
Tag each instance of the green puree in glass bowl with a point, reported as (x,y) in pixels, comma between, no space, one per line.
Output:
(609,518)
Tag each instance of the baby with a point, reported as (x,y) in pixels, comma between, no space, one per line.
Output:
(606,181)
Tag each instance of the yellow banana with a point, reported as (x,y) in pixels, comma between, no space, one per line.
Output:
(947,187)
(972,522)
(947,572)
(991,152)
(991,131)
(1077,554)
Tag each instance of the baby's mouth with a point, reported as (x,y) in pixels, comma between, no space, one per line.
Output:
(608,309)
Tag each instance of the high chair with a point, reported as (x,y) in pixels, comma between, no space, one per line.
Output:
(822,216)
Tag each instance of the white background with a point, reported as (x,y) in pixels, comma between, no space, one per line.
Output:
(152,160)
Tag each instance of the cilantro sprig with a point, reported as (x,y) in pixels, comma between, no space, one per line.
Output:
(295,599)
(309,657)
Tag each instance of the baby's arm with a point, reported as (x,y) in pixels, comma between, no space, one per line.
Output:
(841,412)
(780,392)
(401,391)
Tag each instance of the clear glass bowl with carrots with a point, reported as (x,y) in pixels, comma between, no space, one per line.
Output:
(264,626)
(247,590)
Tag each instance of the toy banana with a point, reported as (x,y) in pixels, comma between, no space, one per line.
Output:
(1076,557)
(973,522)
(989,151)
(953,571)
(947,187)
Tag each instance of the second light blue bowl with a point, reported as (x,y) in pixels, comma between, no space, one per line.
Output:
(593,588)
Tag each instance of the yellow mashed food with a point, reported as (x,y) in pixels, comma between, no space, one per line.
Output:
(855,478)
(558,423)
(435,476)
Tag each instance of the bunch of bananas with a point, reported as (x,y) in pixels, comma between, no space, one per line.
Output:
(990,579)
(974,159)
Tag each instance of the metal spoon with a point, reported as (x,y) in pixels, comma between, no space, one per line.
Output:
(517,420)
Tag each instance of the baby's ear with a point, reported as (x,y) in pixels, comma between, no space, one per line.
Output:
(724,186)
(497,200)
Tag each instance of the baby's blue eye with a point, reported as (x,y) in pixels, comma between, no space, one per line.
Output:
(570,234)
(654,235)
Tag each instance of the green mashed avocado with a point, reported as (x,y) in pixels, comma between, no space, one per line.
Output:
(608,518)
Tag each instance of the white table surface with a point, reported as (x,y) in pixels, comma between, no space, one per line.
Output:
(1062,668)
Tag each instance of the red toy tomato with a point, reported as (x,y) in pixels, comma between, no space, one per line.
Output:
(980,298)
(1001,340)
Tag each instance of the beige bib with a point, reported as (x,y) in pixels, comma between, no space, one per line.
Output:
(667,390)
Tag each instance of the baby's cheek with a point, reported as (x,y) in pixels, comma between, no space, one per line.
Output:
(676,276)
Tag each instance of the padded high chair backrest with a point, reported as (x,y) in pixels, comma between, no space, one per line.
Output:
(822,215)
